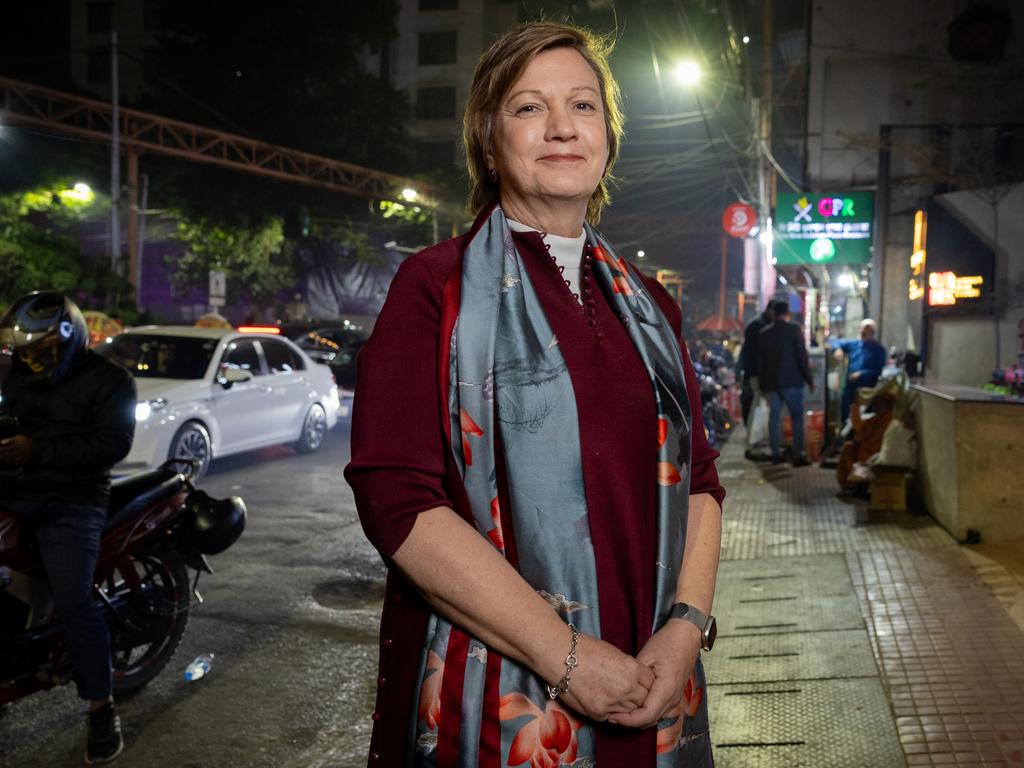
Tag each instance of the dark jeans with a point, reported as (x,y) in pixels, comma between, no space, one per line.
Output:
(746,401)
(793,397)
(69,543)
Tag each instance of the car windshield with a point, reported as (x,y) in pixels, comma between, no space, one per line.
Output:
(160,357)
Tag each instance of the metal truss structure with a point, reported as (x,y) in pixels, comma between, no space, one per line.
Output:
(24,103)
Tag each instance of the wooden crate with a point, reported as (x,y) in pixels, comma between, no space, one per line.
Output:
(889,488)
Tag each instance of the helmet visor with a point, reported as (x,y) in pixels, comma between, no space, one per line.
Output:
(42,356)
(32,321)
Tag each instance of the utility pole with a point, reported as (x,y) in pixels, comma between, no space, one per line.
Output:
(766,170)
(141,247)
(115,162)
(724,247)
(132,235)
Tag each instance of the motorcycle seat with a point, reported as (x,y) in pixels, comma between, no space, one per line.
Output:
(130,495)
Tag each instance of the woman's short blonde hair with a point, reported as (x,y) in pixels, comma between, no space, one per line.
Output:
(499,68)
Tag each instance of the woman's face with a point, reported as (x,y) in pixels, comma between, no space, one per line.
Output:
(550,142)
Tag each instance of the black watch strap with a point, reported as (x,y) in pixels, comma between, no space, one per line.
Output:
(706,624)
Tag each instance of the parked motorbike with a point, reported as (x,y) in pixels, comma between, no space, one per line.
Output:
(718,424)
(159,528)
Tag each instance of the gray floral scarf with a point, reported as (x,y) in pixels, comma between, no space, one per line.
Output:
(510,386)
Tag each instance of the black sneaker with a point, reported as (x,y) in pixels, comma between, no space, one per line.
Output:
(777,459)
(105,742)
(800,462)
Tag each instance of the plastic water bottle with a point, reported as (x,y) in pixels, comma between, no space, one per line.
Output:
(199,666)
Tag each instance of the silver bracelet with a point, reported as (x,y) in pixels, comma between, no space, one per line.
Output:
(554,691)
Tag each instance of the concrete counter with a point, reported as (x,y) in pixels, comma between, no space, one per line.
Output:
(971,460)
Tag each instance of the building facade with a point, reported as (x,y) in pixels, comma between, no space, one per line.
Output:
(922,104)
(91,23)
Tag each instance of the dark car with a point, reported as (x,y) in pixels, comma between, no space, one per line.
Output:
(335,343)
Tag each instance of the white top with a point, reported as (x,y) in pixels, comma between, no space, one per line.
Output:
(566,251)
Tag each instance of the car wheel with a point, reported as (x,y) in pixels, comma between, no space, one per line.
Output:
(313,430)
(192,441)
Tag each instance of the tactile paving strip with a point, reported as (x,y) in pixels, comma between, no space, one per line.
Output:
(786,595)
(798,656)
(834,724)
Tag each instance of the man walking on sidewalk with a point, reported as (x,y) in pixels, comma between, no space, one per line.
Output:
(782,372)
(750,395)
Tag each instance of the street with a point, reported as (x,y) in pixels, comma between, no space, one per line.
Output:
(290,614)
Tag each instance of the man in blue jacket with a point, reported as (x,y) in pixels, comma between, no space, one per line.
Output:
(783,370)
(865,360)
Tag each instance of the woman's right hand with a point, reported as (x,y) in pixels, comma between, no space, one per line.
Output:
(606,681)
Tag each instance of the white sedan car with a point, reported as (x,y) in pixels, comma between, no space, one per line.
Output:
(205,393)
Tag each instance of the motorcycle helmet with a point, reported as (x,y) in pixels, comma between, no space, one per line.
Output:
(46,332)
(215,524)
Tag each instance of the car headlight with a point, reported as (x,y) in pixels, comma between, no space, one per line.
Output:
(146,408)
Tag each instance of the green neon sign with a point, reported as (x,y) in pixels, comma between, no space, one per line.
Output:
(824,228)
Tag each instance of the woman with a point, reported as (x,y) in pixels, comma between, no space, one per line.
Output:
(522,456)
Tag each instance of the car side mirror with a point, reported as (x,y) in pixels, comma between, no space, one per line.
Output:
(230,376)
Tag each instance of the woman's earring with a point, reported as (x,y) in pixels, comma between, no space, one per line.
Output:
(492,176)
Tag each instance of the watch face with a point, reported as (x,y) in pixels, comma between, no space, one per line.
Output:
(710,634)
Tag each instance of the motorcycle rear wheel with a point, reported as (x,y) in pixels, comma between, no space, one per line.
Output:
(148,636)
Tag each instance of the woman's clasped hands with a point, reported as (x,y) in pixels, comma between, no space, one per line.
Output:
(609,685)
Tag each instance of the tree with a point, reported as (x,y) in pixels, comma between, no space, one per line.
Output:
(39,250)
(253,258)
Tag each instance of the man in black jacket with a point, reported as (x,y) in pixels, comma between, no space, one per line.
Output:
(751,391)
(76,415)
(782,372)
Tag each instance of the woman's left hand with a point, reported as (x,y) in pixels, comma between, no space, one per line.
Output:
(672,654)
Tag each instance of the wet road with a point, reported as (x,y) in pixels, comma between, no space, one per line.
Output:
(290,614)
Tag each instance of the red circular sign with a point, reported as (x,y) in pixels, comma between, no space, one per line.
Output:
(738,219)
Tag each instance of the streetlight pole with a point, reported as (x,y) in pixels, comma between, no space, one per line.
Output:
(115,161)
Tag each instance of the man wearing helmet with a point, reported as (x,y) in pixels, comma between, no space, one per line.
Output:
(76,416)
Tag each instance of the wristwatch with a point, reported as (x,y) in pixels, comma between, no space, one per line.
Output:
(706,624)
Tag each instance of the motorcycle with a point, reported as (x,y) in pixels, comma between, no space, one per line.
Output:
(718,424)
(159,527)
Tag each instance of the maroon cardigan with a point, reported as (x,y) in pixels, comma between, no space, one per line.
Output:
(401,463)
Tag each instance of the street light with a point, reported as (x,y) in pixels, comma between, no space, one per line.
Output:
(640,254)
(410,195)
(80,194)
(687,72)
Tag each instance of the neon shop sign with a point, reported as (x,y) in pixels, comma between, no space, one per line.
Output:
(946,288)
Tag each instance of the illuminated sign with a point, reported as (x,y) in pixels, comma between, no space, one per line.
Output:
(955,268)
(832,228)
(946,288)
(918,256)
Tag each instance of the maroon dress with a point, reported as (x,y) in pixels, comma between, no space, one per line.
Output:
(401,465)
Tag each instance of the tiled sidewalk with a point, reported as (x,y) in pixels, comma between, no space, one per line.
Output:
(842,644)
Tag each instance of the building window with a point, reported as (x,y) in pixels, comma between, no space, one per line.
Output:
(432,155)
(438,5)
(99,18)
(98,69)
(436,103)
(438,48)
